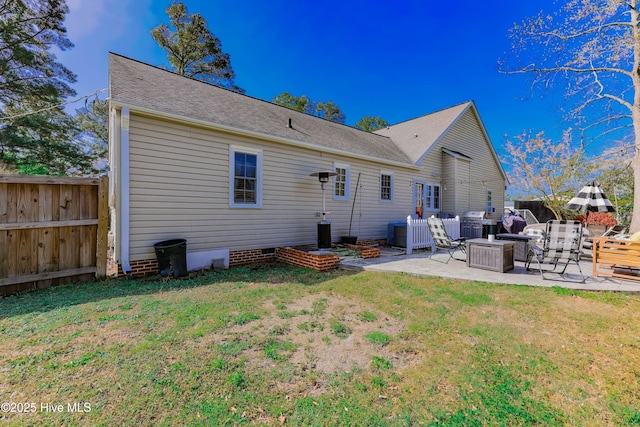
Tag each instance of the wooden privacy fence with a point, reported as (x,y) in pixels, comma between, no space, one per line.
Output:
(53,230)
(419,236)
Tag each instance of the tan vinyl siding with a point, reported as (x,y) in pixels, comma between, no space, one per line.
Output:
(179,188)
(430,165)
(451,196)
(371,216)
(465,179)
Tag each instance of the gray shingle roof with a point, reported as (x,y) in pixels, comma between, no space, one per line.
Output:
(136,84)
(415,137)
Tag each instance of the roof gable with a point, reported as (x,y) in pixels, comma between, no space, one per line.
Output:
(417,137)
(135,84)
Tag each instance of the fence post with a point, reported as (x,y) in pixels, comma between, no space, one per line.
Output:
(103,228)
(409,236)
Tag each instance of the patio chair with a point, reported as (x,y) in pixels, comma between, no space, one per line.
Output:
(561,246)
(616,230)
(538,234)
(441,240)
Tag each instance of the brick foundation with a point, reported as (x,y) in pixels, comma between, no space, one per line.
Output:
(250,256)
(236,258)
(141,268)
(314,260)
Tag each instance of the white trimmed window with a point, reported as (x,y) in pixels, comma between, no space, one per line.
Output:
(245,183)
(386,186)
(436,197)
(341,181)
(432,199)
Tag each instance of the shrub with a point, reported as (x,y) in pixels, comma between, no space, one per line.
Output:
(603,218)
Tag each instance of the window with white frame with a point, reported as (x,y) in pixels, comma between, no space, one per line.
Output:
(386,186)
(341,182)
(245,169)
(432,197)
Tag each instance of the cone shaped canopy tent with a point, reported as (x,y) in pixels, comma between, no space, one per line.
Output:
(591,199)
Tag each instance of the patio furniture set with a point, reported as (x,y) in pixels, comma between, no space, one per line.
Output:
(557,244)
(560,247)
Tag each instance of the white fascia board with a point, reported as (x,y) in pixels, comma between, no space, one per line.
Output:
(486,135)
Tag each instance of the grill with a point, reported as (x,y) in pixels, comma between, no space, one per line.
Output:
(471,224)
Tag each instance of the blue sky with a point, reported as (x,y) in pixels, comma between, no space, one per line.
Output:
(397,60)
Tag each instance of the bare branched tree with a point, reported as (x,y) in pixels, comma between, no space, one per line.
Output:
(547,169)
(592,48)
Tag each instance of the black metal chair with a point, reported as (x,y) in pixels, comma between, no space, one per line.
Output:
(442,240)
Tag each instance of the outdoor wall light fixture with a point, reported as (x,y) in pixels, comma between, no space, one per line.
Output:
(324,226)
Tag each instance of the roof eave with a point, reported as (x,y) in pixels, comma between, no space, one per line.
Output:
(486,135)
(259,135)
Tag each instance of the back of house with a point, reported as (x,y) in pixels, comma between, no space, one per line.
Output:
(231,174)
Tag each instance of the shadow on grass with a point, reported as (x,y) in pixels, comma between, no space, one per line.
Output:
(80,293)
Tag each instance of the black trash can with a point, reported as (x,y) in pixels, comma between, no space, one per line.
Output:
(172,253)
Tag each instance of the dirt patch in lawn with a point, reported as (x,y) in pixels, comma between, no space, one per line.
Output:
(321,333)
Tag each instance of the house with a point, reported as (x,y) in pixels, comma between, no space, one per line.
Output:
(231,173)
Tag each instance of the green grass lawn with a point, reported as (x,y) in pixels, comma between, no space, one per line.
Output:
(275,345)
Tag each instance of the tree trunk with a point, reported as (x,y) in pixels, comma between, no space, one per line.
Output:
(635,115)
(635,217)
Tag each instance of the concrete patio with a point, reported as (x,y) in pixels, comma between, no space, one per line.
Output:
(393,260)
